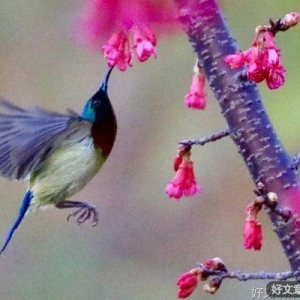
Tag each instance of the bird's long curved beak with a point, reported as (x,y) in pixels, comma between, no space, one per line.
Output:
(104,83)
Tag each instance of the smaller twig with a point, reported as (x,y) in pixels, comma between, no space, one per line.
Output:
(203,141)
(213,271)
(216,267)
(270,200)
(242,276)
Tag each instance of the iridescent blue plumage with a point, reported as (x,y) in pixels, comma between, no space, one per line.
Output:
(23,209)
(58,153)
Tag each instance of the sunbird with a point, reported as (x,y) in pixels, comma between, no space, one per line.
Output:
(58,154)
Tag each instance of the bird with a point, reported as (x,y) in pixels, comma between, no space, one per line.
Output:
(58,154)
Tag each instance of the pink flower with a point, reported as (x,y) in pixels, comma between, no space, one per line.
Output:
(262,60)
(184,182)
(117,51)
(177,161)
(188,282)
(252,234)
(104,18)
(276,77)
(257,72)
(144,43)
(196,96)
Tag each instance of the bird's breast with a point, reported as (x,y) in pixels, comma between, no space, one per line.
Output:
(66,171)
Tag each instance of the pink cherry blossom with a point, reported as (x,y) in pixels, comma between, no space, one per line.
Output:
(196,97)
(188,282)
(136,19)
(252,234)
(177,162)
(257,72)
(117,51)
(144,43)
(184,182)
(262,60)
(276,77)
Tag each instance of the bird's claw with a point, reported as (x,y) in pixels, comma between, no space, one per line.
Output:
(85,212)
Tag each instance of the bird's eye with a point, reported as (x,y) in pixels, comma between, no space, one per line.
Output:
(96,103)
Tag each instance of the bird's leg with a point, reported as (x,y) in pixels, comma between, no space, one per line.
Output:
(84,211)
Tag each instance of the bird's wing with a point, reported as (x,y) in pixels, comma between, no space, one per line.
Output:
(28,136)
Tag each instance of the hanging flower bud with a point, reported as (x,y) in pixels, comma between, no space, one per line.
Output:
(188,282)
(181,151)
(177,162)
(291,19)
(184,182)
(215,264)
(252,234)
(196,97)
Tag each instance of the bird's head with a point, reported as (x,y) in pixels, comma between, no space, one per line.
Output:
(98,108)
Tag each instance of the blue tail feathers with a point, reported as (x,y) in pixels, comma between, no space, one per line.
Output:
(23,209)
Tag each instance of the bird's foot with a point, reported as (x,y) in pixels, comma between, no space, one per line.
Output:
(84,211)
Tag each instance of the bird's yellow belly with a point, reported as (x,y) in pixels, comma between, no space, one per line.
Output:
(65,172)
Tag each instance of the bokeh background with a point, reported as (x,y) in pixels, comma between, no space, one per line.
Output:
(144,240)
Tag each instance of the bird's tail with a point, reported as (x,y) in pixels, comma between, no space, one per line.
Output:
(23,209)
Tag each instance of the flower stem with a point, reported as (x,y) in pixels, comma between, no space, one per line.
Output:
(203,141)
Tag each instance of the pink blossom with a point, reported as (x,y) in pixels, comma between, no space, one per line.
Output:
(257,72)
(196,98)
(272,53)
(117,51)
(184,182)
(276,77)
(188,282)
(177,161)
(252,234)
(135,18)
(262,60)
(144,43)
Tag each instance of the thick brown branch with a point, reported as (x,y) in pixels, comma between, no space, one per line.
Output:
(249,125)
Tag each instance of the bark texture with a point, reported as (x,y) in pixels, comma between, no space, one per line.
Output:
(248,122)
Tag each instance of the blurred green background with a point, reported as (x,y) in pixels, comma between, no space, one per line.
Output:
(144,240)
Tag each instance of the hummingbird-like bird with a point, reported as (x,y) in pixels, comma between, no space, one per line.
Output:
(57,153)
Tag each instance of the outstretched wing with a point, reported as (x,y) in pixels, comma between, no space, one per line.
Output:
(28,136)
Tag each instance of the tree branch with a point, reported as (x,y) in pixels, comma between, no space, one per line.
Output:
(203,141)
(243,276)
(249,125)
